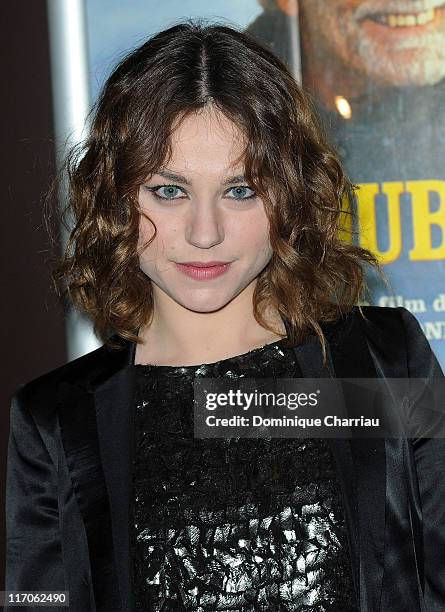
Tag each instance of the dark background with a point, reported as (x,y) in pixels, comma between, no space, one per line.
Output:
(33,326)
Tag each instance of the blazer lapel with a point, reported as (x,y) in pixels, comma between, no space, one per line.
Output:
(114,411)
(361,462)
(94,417)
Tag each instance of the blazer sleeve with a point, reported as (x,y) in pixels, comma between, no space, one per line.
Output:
(429,459)
(33,539)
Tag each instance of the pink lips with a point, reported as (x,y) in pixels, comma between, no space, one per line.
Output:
(203,270)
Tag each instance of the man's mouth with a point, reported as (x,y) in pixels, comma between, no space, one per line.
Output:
(404,20)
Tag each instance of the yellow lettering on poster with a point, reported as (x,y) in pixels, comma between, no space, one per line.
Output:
(367,219)
(424,219)
(345,223)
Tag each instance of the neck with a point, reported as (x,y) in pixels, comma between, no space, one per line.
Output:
(179,336)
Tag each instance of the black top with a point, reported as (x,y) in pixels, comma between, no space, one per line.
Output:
(232,524)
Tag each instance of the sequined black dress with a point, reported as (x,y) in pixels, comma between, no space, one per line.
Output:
(232,524)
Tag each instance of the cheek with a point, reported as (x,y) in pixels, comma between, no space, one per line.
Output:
(255,236)
(165,232)
(146,230)
(264,249)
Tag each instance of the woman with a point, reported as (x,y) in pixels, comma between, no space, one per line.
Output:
(207,243)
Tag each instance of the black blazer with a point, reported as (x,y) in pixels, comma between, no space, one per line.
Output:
(68,475)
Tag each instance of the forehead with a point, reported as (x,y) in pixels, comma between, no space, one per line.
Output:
(207,140)
(207,124)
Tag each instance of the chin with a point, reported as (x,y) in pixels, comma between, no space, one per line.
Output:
(195,306)
(201,301)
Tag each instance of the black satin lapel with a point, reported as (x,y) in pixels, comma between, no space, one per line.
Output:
(361,462)
(114,402)
(352,359)
(402,589)
(93,412)
(78,428)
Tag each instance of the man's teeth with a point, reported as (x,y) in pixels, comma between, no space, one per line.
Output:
(407,19)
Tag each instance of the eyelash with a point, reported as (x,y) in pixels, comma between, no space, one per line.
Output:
(154,188)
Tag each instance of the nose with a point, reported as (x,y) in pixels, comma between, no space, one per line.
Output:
(204,226)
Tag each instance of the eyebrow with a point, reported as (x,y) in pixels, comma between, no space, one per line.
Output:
(181,179)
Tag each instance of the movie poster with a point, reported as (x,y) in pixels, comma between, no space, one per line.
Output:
(376,70)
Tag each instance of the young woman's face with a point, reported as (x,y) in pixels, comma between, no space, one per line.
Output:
(204,211)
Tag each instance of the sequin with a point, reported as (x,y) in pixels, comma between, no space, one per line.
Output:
(232,524)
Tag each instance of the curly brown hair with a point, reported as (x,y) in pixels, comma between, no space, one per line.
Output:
(316,273)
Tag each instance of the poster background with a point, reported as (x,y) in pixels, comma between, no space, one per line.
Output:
(379,88)
(116,27)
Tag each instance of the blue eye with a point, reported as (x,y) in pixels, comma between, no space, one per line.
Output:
(241,192)
(169,193)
